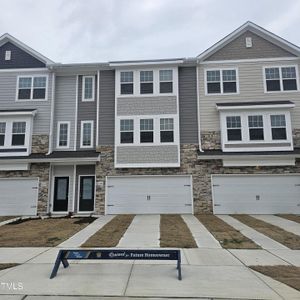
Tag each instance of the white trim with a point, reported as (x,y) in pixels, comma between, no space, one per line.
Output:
(97,109)
(147,165)
(78,193)
(25,70)
(52,114)
(58,131)
(53,194)
(81,134)
(247,107)
(18,113)
(83,99)
(65,160)
(145,63)
(198,108)
(32,76)
(221,81)
(74,186)
(237,61)
(76,114)
(50,192)
(258,161)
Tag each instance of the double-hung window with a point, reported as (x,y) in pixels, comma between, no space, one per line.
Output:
(146,82)
(86,134)
(146,130)
(167,130)
(32,88)
(221,81)
(165,81)
(2,133)
(256,128)
(126,131)
(234,128)
(281,79)
(63,134)
(278,127)
(88,90)
(126,79)
(18,133)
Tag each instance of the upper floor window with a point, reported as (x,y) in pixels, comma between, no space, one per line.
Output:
(126,79)
(167,130)
(146,130)
(126,131)
(256,128)
(281,79)
(146,82)
(18,133)
(234,128)
(63,134)
(221,81)
(2,133)
(88,88)
(32,88)
(278,127)
(165,81)
(86,140)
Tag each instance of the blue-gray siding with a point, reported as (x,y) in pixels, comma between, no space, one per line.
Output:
(19,58)
(107,108)
(188,119)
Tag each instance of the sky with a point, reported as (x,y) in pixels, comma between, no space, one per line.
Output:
(71,31)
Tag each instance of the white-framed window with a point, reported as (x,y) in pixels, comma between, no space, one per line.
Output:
(146,130)
(8,55)
(18,133)
(221,81)
(88,88)
(167,130)
(126,83)
(165,81)
(2,133)
(278,79)
(63,134)
(32,87)
(256,127)
(87,134)
(278,127)
(234,128)
(126,131)
(146,82)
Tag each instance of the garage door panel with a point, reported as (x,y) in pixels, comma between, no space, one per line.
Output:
(18,197)
(265,194)
(149,194)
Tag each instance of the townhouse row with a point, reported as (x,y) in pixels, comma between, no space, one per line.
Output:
(218,133)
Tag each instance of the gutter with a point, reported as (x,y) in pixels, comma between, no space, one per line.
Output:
(53,160)
(198,108)
(211,157)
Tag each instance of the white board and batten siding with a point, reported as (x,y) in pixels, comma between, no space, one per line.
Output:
(149,195)
(19,196)
(256,194)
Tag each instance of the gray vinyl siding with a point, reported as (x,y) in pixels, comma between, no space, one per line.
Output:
(19,58)
(64,171)
(87,111)
(251,85)
(8,94)
(146,105)
(65,107)
(188,120)
(261,48)
(82,170)
(147,154)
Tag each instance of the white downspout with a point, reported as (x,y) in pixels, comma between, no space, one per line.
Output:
(52,115)
(198,107)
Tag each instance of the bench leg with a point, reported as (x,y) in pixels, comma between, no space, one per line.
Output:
(56,265)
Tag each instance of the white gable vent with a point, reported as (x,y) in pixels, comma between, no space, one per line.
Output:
(8,55)
(248,42)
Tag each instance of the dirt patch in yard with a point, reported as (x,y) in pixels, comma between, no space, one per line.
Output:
(5,218)
(7,266)
(294,218)
(288,275)
(47,232)
(228,237)
(111,233)
(175,233)
(276,233)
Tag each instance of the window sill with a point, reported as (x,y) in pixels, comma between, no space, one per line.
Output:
(27,100)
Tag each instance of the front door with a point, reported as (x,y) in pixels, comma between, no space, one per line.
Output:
(61,194)
(86,194)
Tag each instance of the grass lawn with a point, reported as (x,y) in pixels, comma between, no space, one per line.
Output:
(48,232)
(111,233)
(276,233)
(7,266)
(4,218)
(288,275)
(175,233)
(228,237)
(294,218)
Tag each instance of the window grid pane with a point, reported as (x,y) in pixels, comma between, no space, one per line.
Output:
(278,121)
(166,124)
(255,121)
(88,88)
(127,77)
(233,122)
(19,127)
(146,124)
(272,73)
(213,76)
(146,76)
(39,82)
(166,75)
(2,127)
(126,125)
(87,133)
(24,82)
(63,134)
(288,72)
(229,75)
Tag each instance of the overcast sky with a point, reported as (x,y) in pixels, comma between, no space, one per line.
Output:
(101,30)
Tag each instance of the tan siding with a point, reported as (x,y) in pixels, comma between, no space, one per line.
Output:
(251,82)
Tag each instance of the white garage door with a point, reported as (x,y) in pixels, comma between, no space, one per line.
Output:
(18,197)
(149,195)
(264,194)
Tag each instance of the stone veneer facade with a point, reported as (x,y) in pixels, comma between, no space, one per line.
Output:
(40,143)
(201,170)
(41,171)
(211,140)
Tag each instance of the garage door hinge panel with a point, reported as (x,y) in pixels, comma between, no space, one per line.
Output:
(187,185)
(110,186)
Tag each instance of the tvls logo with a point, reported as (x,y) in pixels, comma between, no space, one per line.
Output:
(11,286)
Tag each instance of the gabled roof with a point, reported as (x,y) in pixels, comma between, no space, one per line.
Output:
(269,36)
(9,38)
